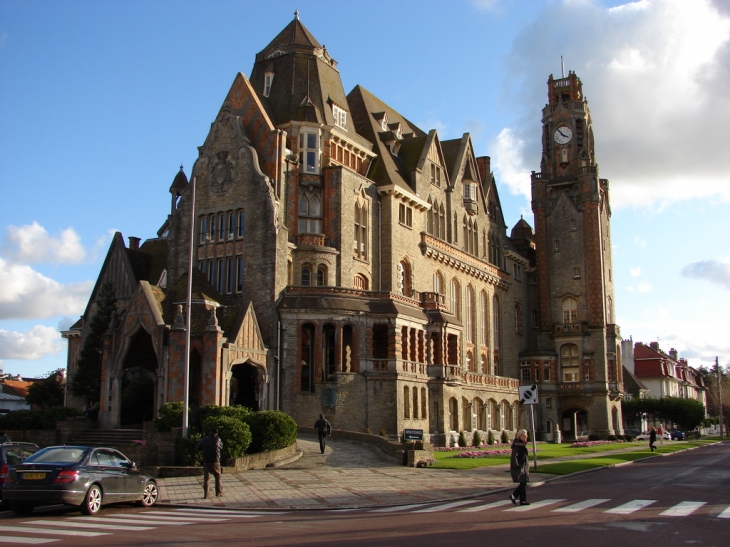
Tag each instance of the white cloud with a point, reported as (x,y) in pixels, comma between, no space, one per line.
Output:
(639,242)
(489,5)
(509,163)
(32,244)
(31,345)
(635,272)
(710,270)
(27,294)
(644,287)
(654,73)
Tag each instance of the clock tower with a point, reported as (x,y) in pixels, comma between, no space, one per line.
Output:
(577,347)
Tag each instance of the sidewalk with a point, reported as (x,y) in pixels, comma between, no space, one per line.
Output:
(348,475)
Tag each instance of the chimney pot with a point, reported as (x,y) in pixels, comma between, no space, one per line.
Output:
(134,243)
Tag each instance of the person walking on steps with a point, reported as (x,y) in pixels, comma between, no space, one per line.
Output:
(324,429)
(652,439)
(520,468)
(211,447)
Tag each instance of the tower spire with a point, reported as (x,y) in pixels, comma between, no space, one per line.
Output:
(562,66)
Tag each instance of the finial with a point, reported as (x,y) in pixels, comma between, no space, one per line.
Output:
(296,15)
(181,166)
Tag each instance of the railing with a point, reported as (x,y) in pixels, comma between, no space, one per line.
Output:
(567,327)
(311,239)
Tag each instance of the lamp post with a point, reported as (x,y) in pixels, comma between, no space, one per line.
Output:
(719,393)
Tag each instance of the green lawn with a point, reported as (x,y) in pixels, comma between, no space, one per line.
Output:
(446,460)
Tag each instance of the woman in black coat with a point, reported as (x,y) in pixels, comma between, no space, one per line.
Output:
(520,468)
(652,439)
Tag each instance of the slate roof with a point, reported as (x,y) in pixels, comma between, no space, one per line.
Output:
(366,112)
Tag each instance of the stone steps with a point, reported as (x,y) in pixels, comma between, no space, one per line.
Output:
(107,437)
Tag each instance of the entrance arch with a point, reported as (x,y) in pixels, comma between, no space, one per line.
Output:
(139,381)
(245,387)
(575,422)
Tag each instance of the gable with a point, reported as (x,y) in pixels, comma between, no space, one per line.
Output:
(246,343)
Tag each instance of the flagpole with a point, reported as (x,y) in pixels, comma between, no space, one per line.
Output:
(188,328)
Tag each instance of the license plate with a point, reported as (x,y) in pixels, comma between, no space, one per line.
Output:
(34,476)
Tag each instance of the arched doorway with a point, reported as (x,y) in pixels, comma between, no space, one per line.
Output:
(575,423)
(244,388)
(139,380)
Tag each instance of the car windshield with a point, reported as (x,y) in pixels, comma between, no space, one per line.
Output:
(58,455)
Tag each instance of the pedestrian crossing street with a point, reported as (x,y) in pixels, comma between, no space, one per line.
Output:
(39,531)
(559,505)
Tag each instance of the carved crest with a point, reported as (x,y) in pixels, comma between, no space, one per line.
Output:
(221,174)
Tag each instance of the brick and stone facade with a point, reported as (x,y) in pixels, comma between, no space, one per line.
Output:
(347,262)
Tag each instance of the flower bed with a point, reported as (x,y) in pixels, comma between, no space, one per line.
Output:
(584,444)
(485,453)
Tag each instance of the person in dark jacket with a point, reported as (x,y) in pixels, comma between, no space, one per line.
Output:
(520,468)
(324,429)
(652,439)
(211,447)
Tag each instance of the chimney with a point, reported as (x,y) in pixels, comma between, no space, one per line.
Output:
(483,164)
(673,354)
(134,243)
(654,346)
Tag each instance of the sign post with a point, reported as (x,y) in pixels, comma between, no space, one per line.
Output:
(528,396)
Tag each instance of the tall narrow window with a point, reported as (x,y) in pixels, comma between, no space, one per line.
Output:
(469,314)
(570,311)
(310,213)
(361,231)
(239,277)
(212,227)
(231,225)
(221,271)
(455,298)
(268,80)
(203,229)
(340,116)
(484,315)
(222,226)
(496,322)
(306,276)
(240,223)
(438,283)
(569,361)
(309,151)
(406,402)
(403,272)
(230,275)
(306,371)
(321,276)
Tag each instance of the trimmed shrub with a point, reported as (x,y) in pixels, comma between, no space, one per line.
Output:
(186,451)
(169,416)
(612,438)
(270,430)
(505,437)
(235,434)
(37,419)
(462,440)
(204,412)
(594,438)
(490,437)
(476,439)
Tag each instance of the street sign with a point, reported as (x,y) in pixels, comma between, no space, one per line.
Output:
(413,434)
(528,395)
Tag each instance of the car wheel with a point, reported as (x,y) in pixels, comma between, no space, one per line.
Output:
(92,501)
(149,494)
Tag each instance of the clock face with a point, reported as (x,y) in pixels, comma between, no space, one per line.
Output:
(563,134)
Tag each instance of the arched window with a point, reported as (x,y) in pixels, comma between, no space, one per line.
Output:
(321,276)
(306,275)
(484,320)
(609,310)
(455,298)
(406,402)
(478,408)
(438,283)
(310,213)
(469,313)
(496,322)
(570,363)
(570,311)
(442,222)
(485,365)
(361,231)
(361,282)
(518,318)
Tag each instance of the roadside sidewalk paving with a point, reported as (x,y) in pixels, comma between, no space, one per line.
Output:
(348,475)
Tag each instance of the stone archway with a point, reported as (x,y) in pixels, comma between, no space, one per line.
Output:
(574,423)
(138,381)
(245,385)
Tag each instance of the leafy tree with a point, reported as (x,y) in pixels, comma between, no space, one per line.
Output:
(713,392)
(47,392)
(685,413)
(86,380)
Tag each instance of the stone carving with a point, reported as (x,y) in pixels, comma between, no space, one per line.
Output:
(179,323)
(348,358)
(221,174)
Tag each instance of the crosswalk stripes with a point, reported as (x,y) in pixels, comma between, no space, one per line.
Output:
(630,507)
(682,509)
(108,523)
(397,508)
(535,505)
(585,504)
(443,507)
(485,506)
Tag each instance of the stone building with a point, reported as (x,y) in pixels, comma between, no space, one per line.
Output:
(349,262)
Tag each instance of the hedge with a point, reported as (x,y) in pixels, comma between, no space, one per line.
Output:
(37,419)
(271,430)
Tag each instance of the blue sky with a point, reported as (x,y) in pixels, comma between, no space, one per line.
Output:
(100,103)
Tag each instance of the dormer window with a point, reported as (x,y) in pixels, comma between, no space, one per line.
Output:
(268,78)
(470,191)
(394,147)
(340,116)
(398,132)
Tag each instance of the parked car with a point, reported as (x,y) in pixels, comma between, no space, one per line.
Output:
(645,436)
(83,476)
(12,454)
(677,435)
